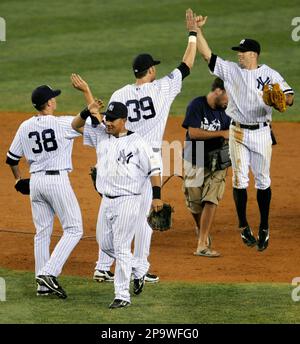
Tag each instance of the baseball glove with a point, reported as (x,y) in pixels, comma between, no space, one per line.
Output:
(161,220)
(23,186)
(273,96)
(93,174)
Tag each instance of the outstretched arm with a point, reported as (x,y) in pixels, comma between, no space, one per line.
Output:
(202,44)
(190,52)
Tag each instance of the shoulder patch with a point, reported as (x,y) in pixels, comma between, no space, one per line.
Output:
(171,75)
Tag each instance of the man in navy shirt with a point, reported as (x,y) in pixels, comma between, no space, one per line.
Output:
(205,121)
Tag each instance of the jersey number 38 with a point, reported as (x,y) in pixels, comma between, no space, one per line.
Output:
(47,142)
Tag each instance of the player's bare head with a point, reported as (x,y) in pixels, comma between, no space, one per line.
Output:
(43,98)
(115,118)
(143,66)
(218,95)
(248,53)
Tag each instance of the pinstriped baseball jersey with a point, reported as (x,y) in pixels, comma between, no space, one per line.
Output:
(46,142)
(124,163)
(149,105)
(244,88)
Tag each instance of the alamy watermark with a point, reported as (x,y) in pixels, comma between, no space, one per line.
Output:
(296,291)
(2,30)
(296,31)
(185,161)
(2,289)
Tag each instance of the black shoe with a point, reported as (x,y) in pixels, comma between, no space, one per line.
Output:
(248,237)
(138,285)
(117,303)
(51,283)
(262,239)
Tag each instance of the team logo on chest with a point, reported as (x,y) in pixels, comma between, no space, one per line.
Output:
(261,83)
(123,158)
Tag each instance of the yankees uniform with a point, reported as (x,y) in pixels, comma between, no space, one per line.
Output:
(124,165)
(249,139)
(46,142)
(148,109)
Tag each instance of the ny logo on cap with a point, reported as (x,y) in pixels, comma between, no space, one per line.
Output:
(242,41)
(111,107)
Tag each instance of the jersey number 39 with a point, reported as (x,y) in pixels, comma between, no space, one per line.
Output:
(47,142)
(142,108)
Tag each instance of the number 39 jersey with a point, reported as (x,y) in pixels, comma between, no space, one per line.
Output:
(149,105)
(46,142)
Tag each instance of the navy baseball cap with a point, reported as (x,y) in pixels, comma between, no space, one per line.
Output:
(248,44)
(42,94)
(115,110)
(142,62)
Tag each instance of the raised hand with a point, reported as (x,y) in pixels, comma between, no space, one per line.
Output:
(200,20)
(79,83)
(95,106)
(191,23)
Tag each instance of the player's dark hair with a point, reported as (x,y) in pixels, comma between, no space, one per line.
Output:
(218,83)
(140,75)
(41,107)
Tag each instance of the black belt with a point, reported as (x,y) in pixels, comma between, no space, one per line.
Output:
(112,197)
(248,126)
(52,173)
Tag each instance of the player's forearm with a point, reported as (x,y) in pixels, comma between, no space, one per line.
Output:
(155,180)
(201,134)
(89,98)
(190,53)
(202,46)
(16,171)
(78,123)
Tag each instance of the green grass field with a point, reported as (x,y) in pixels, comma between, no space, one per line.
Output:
(171,303)
(98,39)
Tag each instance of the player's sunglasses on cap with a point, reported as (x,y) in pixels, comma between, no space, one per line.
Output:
(142,62)
(115,110)
(42,94)
(248,44)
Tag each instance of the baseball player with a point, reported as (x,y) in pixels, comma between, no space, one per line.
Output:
(249,138)
(46,142)
(148,101)
(124,164)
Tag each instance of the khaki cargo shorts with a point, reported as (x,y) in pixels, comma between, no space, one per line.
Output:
(211,190)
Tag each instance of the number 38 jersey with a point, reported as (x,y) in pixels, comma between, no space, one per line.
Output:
(149,105)
(46,142)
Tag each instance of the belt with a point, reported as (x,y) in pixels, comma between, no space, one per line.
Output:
(249,126)
(112,197)
(52,173)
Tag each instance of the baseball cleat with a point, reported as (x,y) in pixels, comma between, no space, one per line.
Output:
(103,276)
(51,283)
(44,292)
(151,278)
(248,237)
(117,303)
(263,239)
(138,285)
